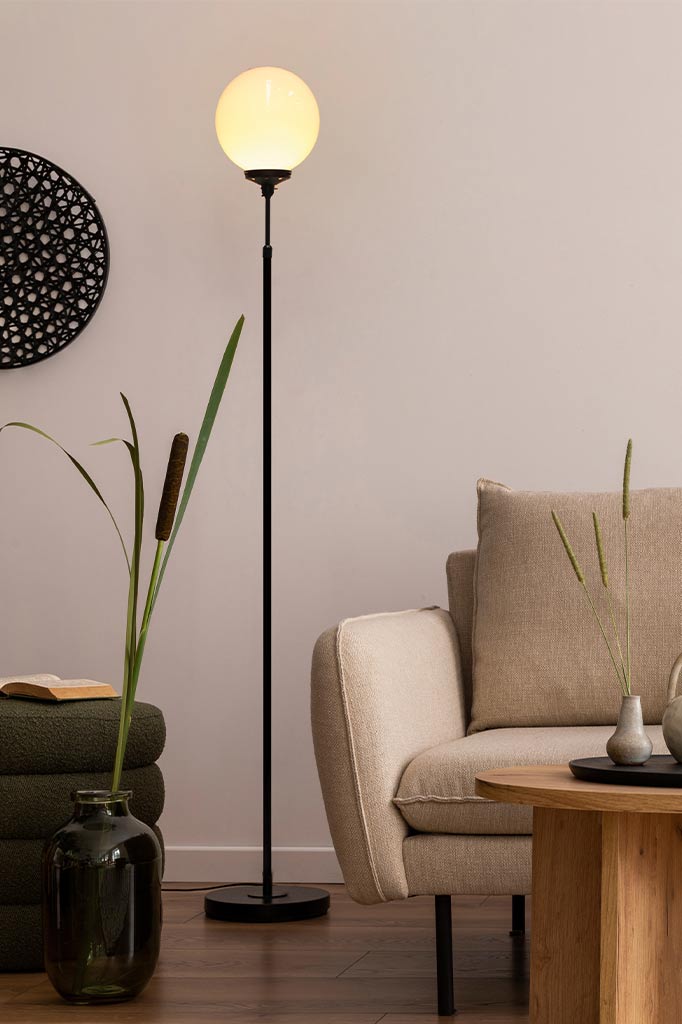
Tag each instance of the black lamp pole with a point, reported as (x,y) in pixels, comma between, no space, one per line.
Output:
(264,902)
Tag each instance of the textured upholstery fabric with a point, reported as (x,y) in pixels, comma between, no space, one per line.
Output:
(437,793)
(460,569)
(34,806)
(47,751)
(20,870)
(20,861)
(468,865)
(384,687)
(40,738)
(21,938)
(538,657)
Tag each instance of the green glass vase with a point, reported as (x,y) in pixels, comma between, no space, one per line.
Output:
(101,901)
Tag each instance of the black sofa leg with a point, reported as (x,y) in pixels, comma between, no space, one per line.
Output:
(446,984)
(518,927)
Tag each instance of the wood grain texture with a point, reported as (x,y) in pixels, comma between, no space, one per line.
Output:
(607,917)
(566,917)
(479,1015)
(555,786)
(512,961)
(359,965)
(641,919)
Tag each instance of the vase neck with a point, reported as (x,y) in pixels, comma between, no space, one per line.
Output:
(91,802)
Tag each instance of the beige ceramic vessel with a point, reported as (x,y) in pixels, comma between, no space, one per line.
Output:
(630,744)
(672,717)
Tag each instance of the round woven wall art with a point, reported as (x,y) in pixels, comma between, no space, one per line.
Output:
(54,258)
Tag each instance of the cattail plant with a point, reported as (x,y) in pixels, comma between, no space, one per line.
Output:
(134,653)
(172,509)
(620,664)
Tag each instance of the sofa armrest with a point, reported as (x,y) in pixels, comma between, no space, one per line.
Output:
(384,688)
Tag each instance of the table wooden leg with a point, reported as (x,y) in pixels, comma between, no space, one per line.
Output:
(566,912)
(606,945)
(641,954)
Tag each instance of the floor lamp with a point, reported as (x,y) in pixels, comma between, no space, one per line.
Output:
(267,122)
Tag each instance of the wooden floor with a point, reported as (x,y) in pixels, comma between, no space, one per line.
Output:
(359,965)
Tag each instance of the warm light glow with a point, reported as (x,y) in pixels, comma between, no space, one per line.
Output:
(267,118)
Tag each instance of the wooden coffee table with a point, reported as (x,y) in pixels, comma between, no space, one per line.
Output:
(606,937)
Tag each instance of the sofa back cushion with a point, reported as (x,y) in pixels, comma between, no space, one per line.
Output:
(538,656)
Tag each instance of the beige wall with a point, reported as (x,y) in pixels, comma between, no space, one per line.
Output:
(477,272)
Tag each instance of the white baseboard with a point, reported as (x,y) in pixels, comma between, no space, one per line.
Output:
(231,864)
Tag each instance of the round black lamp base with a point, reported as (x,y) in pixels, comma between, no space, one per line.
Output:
(246,903)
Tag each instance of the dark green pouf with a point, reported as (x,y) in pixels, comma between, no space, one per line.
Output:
(21,938)
(35,806)
(47,752)
(41,737)
(20,862)
(20,871)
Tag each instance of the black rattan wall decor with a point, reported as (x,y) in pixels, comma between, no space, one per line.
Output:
(54,258)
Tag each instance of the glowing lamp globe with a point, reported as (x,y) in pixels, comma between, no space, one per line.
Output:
(267,118)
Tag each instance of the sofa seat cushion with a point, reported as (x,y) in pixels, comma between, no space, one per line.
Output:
(44,738)
(436,792)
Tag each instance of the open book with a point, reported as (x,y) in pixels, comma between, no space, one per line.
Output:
(48,687)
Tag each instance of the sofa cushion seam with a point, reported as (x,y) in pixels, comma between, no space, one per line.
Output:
(423,799)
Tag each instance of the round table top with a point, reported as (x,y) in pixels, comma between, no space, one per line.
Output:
(554,786)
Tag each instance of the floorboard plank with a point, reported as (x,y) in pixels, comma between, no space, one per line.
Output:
(358,965)
(309,995)
(510,962)
(256,963)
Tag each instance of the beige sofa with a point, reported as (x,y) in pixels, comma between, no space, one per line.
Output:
(391,700)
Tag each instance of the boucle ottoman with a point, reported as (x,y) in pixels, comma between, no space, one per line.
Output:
(21,938)
(47,751)
(43,738)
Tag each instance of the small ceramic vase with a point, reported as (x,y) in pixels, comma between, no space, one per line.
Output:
(629,744)
(672,717)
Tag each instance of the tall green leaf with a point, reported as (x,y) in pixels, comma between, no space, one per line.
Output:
(83,472)
(133,591)
(202,440)
(131,643)
(133,586)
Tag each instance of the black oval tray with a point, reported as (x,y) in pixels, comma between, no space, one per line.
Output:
(659,770)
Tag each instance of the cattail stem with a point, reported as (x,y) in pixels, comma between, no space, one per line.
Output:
(626,516)
(627,607)
(606,639)
(617,636)
(581,580)
(130,655)
(130,685)
(120,743)
(603,569)
(142,641)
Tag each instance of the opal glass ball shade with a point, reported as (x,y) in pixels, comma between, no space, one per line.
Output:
(267,118)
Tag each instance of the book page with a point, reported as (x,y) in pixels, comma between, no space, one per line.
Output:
(71,683)
(41,679)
